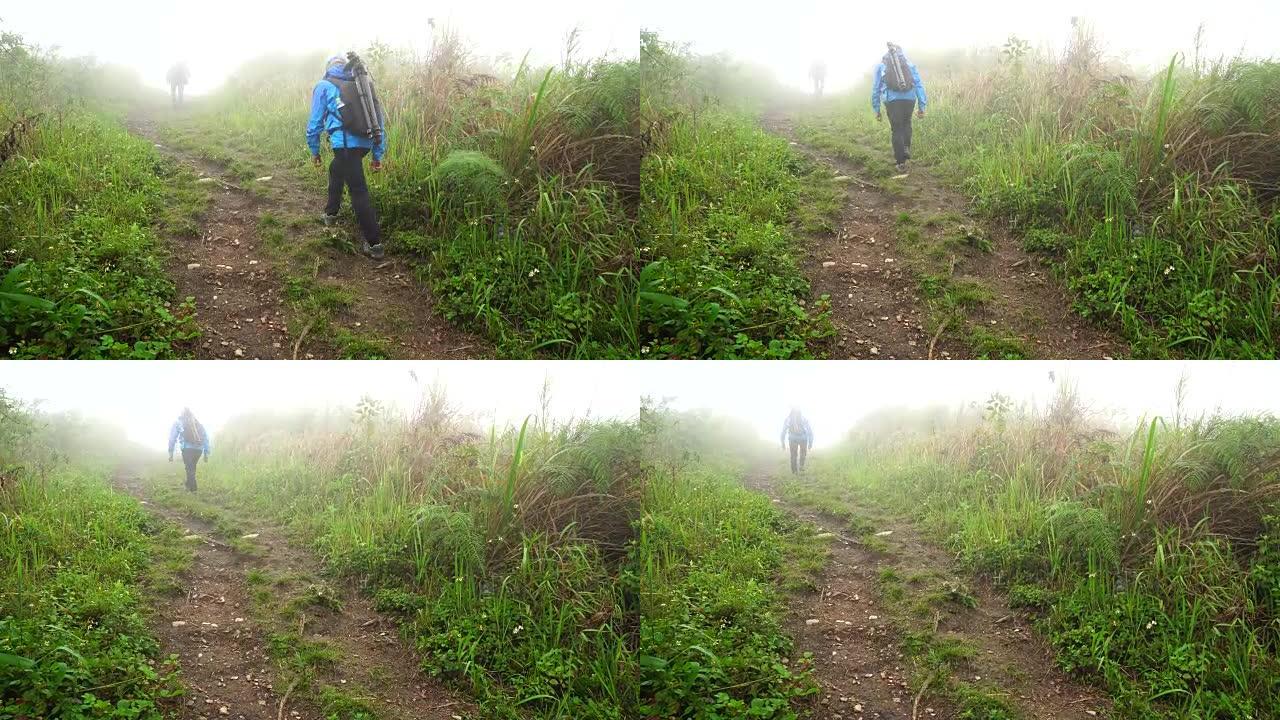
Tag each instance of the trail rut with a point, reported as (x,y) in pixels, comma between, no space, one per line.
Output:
(240,284)
(857,645)
(876,302)
(222,647)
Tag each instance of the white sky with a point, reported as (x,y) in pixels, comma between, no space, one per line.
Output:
(216,37)
(835,395)
(145,397)
(851,36)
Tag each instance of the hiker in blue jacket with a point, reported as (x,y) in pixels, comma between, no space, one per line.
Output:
(349,149)
(798,435)
(195,442)
(898,83)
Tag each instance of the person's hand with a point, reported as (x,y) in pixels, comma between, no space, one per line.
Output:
(920,113)
(879,117)
(206,458)
(315,160)
(376,166)
(170,458)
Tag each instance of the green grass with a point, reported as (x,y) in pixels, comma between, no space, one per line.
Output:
(80,565)
(724,281)
(82,271)
(722,206)
(1159,222)
(716,561)
(1170,610)
(545,265)
(503,561)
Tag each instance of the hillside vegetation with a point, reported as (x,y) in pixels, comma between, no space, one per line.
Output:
(80,564)
(1154,197)
(503,554)
(1149,555)
(82,274)
(513,187)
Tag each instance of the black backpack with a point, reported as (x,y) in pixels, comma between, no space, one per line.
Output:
(192,433)
(356,117)
(897,73)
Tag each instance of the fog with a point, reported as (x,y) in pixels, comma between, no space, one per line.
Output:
(788,37)
(834,396)
(217,37)
(144,398)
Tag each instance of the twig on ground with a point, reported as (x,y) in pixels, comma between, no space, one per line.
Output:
(302,336)
(285,699)
(932,342)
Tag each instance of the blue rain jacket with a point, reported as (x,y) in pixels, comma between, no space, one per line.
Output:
(806,432)
(880,90)
(325,118)
(175,434)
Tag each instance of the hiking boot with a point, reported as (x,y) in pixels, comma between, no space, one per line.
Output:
(374,251)
(329,220)
(902,168)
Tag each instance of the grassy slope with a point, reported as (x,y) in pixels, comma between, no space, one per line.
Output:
(712,643)
(719,196)
(81,237)
(1183,260)
(721,209)
(535,248)
(535,623)
(715,562)
(79,560)
(1173,619)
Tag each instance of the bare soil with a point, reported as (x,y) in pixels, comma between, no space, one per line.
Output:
(238,283)
(222,648)
(856,644)
(876,304)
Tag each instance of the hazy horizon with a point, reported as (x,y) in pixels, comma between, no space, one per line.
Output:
(144,398)
(148,36)
(836,396)
(851,38)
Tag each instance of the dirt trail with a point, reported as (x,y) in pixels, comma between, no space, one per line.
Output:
(858,660)
(222,648)
(239,287)
(876,304)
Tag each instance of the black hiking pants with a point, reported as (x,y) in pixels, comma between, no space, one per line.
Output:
(347,170)
(191,456)
(899,112)
(798,447)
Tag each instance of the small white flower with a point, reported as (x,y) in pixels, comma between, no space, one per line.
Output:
(1168,270)
(533,272)
(516,630)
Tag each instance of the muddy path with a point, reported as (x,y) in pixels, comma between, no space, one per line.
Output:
(876,301)
(240,277)
(855,633)
(222,636)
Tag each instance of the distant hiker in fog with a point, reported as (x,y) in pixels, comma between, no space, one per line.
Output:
(179,76)
(195,442)
(898,83)
(798,435)
(336,110)
(818,74)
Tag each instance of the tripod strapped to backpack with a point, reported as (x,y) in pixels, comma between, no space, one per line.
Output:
(368,121)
